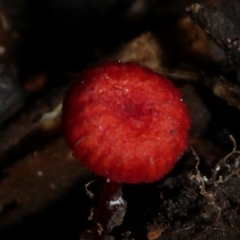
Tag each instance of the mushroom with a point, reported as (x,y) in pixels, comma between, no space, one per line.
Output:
(125,122)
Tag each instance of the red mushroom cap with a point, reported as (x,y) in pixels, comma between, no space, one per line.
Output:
(125,122)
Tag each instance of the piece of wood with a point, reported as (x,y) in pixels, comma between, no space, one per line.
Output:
(224,31)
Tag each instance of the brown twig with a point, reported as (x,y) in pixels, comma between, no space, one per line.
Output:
(220,28)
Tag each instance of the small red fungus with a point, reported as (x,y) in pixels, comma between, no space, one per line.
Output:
(125,122)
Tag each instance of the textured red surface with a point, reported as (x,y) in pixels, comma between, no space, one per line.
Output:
(125,122)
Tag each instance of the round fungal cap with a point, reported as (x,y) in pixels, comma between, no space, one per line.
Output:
(125,122)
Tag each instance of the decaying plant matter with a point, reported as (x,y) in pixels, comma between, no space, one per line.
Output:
(205,208)
(42,184)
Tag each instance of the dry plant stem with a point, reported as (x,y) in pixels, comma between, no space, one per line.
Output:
(226,34)
(103,213)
